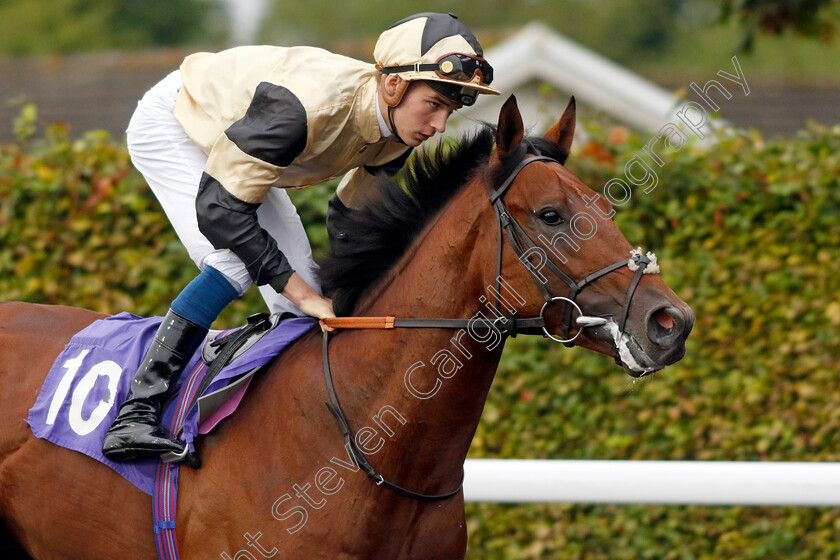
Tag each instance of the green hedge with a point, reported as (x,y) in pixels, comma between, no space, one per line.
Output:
(746,231)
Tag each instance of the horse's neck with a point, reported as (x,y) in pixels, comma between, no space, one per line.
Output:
(441,274)
(436,380)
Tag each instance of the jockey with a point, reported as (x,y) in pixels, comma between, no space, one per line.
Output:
(220,139)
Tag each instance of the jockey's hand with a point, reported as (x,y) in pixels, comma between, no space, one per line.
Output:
(310,302)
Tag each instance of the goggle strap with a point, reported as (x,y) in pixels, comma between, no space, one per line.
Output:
(411,67)
(432,67)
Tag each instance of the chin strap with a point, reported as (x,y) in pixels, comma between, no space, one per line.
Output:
(393,126)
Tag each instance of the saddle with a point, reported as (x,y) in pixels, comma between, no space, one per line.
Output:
(220,349)
(93,374)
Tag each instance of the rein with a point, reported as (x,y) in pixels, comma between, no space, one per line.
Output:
(508,326)
(358,456)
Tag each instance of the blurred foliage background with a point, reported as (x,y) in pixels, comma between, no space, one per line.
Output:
(62,26)
(746,230)
(792,37)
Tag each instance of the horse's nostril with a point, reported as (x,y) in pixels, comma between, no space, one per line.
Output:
(663,326)
(663,319)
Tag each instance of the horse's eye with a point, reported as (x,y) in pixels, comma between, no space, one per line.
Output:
(551,217)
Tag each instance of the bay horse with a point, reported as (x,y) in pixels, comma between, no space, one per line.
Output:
(278,479)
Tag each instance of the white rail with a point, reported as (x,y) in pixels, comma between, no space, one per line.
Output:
(652,482)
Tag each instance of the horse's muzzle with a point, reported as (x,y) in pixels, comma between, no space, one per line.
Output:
(666,330)
(668,326)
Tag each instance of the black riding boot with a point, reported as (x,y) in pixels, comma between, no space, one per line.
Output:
(136,432)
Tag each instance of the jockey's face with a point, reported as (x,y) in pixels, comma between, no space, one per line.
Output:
(421,113)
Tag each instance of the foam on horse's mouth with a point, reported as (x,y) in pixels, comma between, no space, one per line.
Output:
(631,355)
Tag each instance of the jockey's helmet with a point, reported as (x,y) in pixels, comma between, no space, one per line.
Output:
(438,49)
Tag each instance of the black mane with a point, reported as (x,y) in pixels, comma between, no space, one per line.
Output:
(383,231)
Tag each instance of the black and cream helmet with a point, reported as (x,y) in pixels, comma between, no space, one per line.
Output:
(438,49)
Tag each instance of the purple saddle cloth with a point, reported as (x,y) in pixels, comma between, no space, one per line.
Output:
(92,377)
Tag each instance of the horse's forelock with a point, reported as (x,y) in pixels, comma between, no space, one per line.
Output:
(546,148)
(533,145)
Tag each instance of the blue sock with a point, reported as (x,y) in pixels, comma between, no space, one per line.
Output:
(205,297)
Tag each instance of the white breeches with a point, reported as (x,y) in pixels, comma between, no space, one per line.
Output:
(172,165)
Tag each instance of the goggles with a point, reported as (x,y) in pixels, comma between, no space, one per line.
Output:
(463,68)
(455,66)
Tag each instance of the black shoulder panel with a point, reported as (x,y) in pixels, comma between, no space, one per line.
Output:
(230,223)
(274,127)
(390,168)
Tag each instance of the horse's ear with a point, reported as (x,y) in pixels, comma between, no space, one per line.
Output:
(510,131)
(563,131)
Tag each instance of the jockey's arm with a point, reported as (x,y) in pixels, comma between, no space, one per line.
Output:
(240,171)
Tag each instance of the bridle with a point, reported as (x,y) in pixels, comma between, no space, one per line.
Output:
(522,245)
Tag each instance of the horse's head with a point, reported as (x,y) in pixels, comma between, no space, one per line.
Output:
(575,267)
